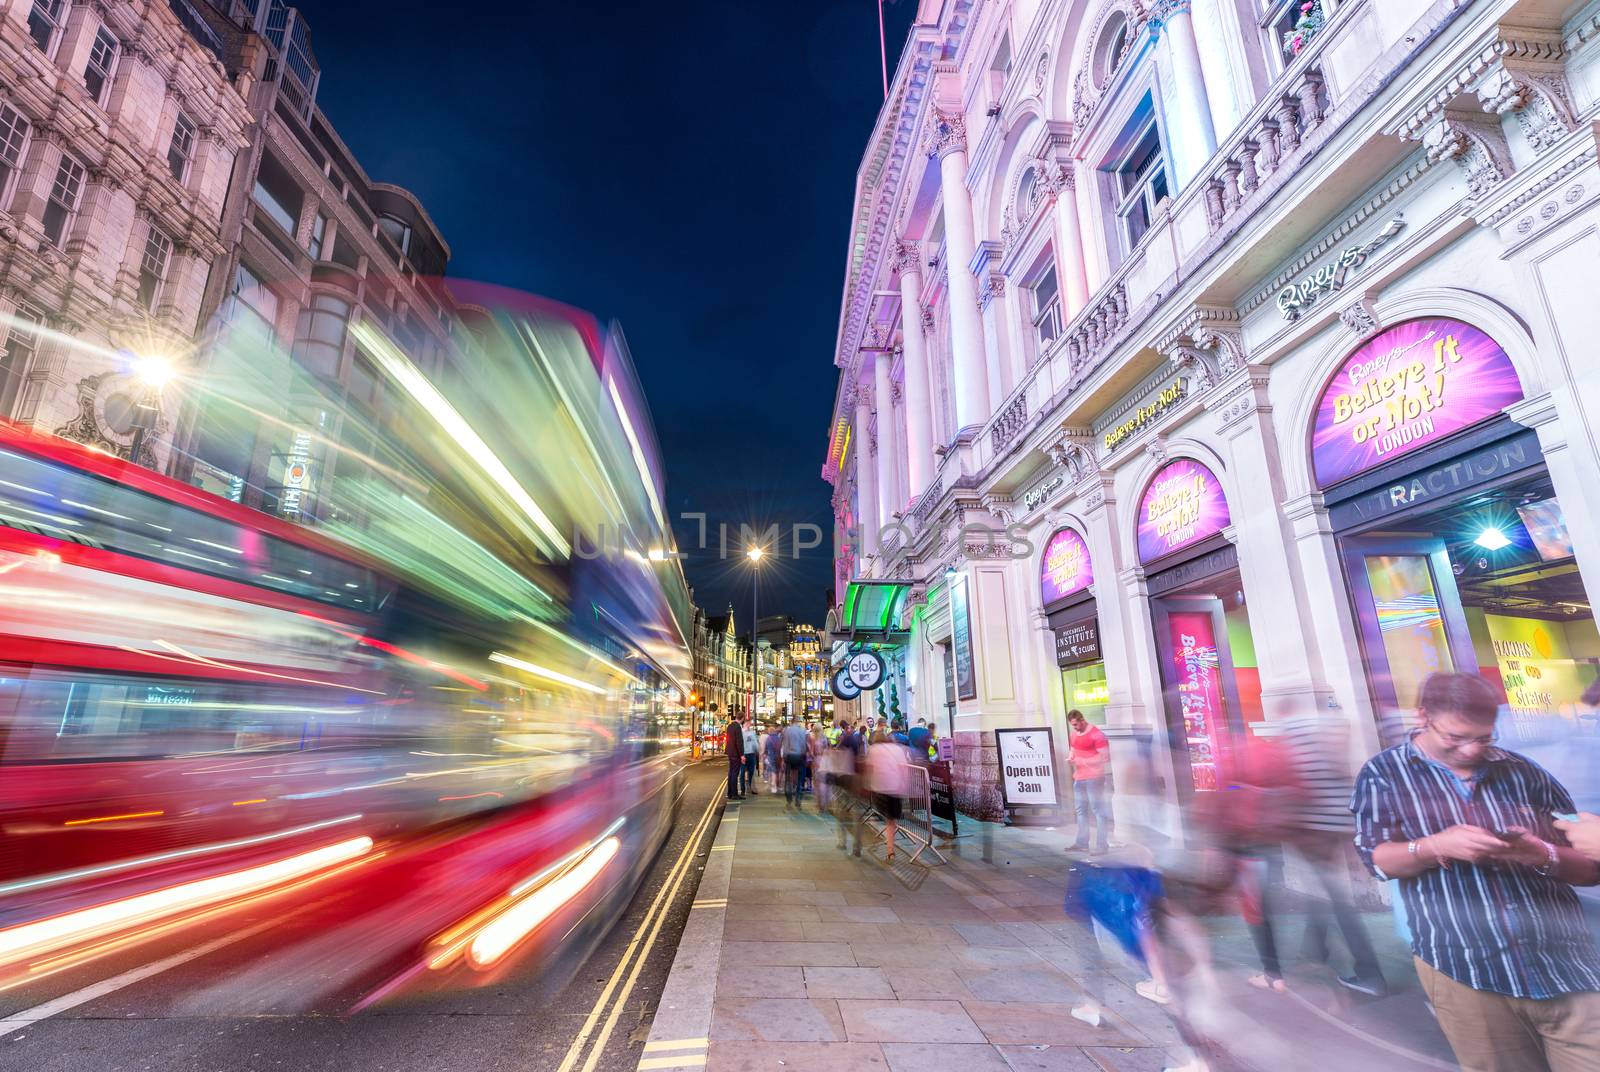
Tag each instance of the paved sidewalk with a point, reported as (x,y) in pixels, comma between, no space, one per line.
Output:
(799,956)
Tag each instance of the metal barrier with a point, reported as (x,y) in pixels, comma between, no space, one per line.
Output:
(872,817)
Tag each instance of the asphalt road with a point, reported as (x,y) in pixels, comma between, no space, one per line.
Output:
(211,998)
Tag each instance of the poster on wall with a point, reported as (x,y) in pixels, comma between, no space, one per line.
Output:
(1197,672)
(961,640)
(1406,388)
(1065,568)
(1182,505)
(1544,684)
(1027,767)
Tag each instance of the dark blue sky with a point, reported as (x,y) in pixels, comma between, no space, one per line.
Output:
(687,168)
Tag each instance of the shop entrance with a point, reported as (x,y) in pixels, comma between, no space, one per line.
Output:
(1484,583)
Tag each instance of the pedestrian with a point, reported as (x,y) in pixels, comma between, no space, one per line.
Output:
(774,762)
(1497,934)
(793,744)
(1091,756)
(814,748)
(918,739)
(888,780)
(733,747)
(752,756)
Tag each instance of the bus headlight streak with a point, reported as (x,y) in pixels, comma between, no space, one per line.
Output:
(32,939)
(544,672)
(518,921)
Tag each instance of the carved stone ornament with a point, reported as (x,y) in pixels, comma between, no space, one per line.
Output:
(92,424)
(1208,353)
(1477,146)
(927,320)
(1360,317)
(1156,447)
(907,258)
(1074,452)
(1041,70)
(1537,98)
(946,133)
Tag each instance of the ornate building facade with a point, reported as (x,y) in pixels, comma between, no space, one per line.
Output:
(721,667)
(119,128)
(1205,362)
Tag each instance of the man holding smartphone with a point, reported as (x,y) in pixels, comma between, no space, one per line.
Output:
(1498,936)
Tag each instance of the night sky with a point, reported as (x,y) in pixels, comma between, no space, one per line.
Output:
(687,168)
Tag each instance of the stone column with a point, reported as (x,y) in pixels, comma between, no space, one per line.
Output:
(866,475)
(919,402)
(947,140)
(1287,654)
(1069,247)
(889,500)
(1193,139)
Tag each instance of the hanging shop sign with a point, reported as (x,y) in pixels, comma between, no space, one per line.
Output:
(1140,409)
(1408,387)
(296,474)
(1182,505)
(1297,297)
(1040,494)
(1078,643)
(1065,569)
(961,640)
(1197,670)
(1027,767)
(865,670)
(842,686)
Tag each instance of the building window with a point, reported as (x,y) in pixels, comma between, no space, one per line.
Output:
(319,230)
(180,150)
(250,297)
(1141,183)
(320,342)
(398,230)
(1109,51)
(1291,24)
(21,347)
(102,57)
(277,194)
(13,136)
(1046,298)
(153,267)
(44,22)
(63,203)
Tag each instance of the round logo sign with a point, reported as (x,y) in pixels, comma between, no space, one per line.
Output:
(843,687)
(865,670)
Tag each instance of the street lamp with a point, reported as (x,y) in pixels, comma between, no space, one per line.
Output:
(153,373)
(755,553)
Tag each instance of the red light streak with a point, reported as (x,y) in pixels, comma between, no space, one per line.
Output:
(475,796)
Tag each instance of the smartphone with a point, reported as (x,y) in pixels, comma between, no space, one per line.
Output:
(1566,817)
(1508,836)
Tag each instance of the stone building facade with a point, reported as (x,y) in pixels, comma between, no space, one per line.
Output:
(118,134)
(1208,362)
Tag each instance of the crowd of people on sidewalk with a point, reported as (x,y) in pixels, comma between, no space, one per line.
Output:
(849,769)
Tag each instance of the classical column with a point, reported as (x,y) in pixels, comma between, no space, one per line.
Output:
(1189,126)
(1069,246)
(919,403)
(867,516)
(947,140)
(889,500)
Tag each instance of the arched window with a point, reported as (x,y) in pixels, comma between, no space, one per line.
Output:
(1109,50)
(320,338)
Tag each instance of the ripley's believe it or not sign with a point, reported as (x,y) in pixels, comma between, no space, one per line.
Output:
(1182,506)
(1407,388)
(1065,569)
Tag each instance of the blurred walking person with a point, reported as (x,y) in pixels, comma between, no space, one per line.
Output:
(752,757)
(1091,756)
(888,781)
(793,744)
(774,758)
(1499,939)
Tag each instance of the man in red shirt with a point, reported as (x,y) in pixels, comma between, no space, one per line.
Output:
(1091,756)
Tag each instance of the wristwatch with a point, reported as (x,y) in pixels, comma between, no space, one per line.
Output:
(1551,862)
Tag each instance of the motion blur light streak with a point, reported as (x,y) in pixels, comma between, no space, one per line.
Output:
(517,922)
(165,857)
(31,939)
(113,818)
(439,407)
(544,672)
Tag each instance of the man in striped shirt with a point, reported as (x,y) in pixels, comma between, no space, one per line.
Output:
(1499,939)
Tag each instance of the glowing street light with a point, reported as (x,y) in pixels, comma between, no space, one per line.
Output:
(154,372)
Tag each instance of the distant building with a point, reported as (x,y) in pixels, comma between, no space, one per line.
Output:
(119,128)
(721,668)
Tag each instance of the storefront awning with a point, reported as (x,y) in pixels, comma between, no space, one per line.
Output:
(870,613)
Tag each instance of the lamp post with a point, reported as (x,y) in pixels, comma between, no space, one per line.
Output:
(755,554)
(153,373)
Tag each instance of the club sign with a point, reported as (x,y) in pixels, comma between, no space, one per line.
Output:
(842,686)
(865,670)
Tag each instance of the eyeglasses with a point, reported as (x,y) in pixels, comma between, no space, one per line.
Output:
(1461,740)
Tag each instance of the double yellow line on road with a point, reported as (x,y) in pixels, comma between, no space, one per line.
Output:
(617,989)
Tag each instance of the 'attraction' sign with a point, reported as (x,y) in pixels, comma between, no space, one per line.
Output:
(1027,767)
(1065,569)
(1408,387)
(1182,506)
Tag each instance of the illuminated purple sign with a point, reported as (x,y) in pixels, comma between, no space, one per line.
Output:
(1182,506)
(1065,569)
(1407,388)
